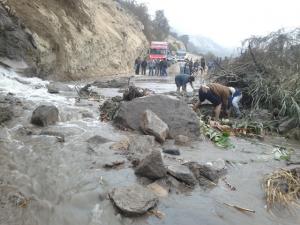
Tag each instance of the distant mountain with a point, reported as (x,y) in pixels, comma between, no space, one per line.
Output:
(204,45)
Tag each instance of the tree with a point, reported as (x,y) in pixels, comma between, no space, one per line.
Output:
(161,27)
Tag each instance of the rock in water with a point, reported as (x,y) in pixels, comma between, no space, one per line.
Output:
(55,87)
(179,117)
(44,115)
(182,140)
(182,173)
(133,92)
(152,124)
(133,200)
(152,166)
(171,150)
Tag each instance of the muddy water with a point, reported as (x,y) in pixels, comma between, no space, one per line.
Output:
(64,180)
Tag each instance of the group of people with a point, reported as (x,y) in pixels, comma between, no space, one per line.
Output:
(220,96)
(190,66)
(158,67)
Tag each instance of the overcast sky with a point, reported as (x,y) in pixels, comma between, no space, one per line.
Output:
(228,22)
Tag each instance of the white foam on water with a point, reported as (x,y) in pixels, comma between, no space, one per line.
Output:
(33,89)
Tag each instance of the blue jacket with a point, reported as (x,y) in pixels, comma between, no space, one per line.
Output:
(182,79)
(210,96)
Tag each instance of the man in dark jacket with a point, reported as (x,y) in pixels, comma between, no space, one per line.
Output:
(137,65)
(144,66)
(181,80)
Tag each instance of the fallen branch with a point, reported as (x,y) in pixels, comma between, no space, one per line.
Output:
(240,208)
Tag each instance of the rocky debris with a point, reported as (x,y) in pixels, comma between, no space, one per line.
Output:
(182,173)
(114,83)
(16,43)
(206,175)
(114,164)
(287,125)
(55,87)
(175,113)
(122,145)
(182,140)
(60,137)
(134,200)
(158,190)
(87,92)
(109,108)
(153,125)
(171,150)
(44,115)
(152,166)
(133,92)
(117,99)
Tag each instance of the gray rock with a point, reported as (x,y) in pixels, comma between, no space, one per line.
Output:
(171,150)
(182,173)
(44,115)
(15,43)
(96,141)
(182,140)
(119,83)
(152,166)
(204,173)
(153,125)
(55,87)
(139,146)
(287,125)
(175,113)
(133,200)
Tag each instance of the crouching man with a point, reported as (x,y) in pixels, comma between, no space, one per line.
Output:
(181,80)
(222,97)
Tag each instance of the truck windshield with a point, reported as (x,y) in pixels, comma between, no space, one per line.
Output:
(158,51)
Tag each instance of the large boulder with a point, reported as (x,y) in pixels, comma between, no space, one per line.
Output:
(139,146)
(133,200)
(44,115)
(152,166)
(182,173)
(55,87)
(180,118)
(152,124)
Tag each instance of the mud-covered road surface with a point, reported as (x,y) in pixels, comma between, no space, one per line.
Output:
(45,181)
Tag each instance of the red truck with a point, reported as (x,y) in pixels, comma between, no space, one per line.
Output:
(158,50)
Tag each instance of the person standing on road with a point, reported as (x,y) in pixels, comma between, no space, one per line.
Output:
(144,66)
(137,65)
(161,63)
(164,67)
(181,81)
(151,66)
(156,67)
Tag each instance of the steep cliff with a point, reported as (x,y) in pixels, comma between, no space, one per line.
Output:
(78,39)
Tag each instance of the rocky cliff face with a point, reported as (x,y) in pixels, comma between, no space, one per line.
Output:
(75,39)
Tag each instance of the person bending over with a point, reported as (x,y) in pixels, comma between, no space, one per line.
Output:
(181,81)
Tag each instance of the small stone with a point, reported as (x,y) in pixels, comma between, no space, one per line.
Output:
(158,190)
(152,166)
(171,151)
(182,140)
(182,173)
(134,200)
(151,124)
